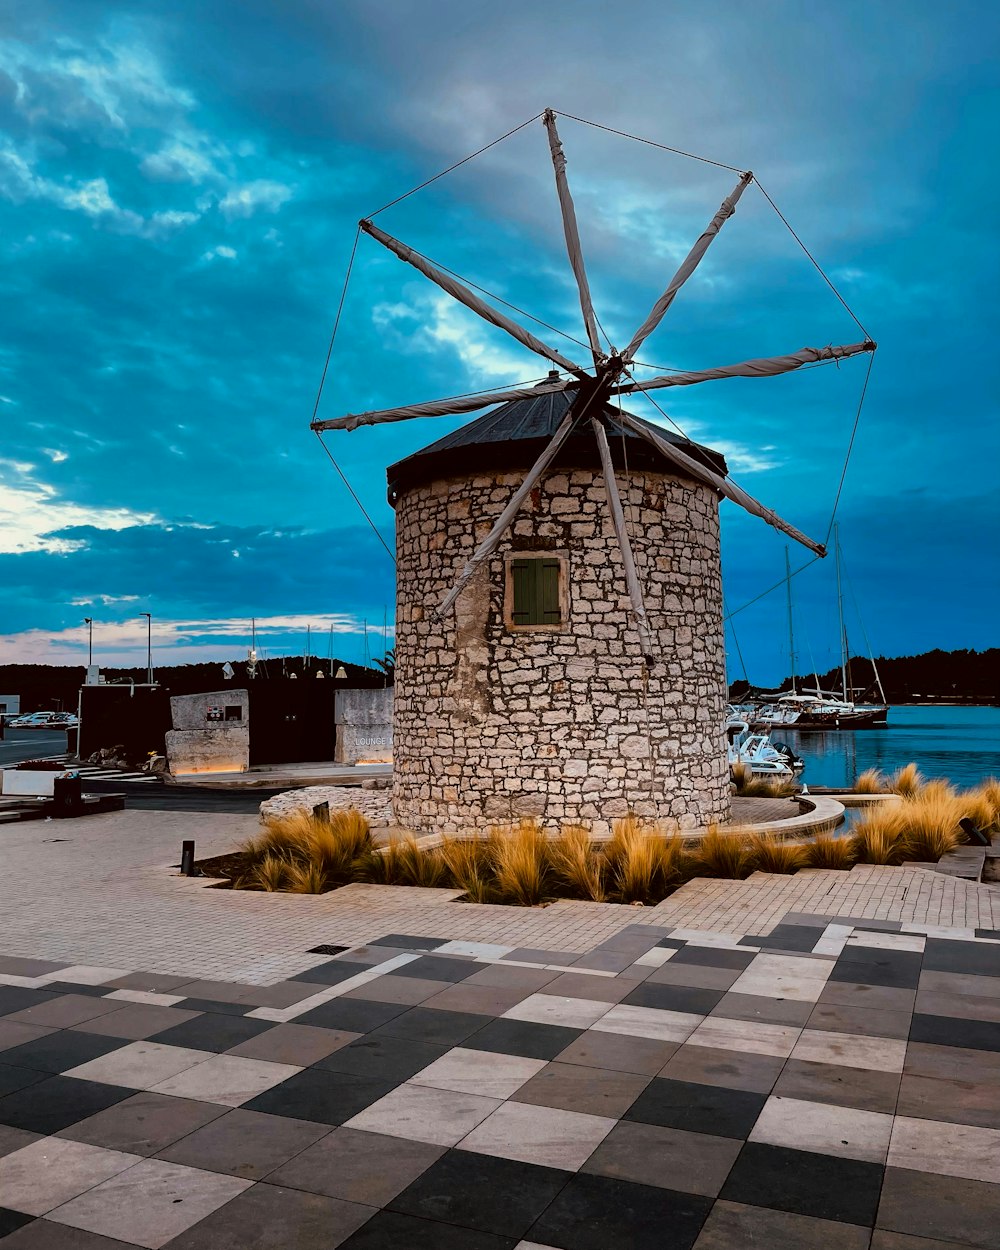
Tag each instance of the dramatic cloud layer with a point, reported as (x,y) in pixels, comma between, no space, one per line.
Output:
(179,187)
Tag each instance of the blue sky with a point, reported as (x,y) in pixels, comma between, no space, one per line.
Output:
(179,187)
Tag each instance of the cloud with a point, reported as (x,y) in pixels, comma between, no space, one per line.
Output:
(263,194)
(32,513)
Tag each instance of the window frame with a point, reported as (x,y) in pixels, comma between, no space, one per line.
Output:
(554,627)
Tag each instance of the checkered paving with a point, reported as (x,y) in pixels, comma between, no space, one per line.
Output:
(834,1084)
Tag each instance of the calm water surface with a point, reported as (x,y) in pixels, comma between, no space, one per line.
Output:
(961,744)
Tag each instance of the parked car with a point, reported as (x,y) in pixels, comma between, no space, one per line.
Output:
(63,720)
(33,720)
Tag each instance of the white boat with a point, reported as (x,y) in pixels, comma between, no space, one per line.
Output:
(764,758)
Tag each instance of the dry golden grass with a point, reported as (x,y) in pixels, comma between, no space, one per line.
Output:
(871,781)
(722,854)
(467,864)
(825,851)
(269,873)
(906,781)
(772,854)
(578,864)
(751,787)
(929,824)
(305,879)
(405,862)
(741,774)
(990,790)
(980,806)
(877,839)
(521,864)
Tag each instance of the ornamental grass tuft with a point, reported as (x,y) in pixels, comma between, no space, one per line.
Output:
(520,862)
(825,851)
(769,853)
(722,854)
(871,781)
(906,781)
(578,864)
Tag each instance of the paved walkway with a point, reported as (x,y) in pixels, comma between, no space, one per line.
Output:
(831,1086)
(102,891)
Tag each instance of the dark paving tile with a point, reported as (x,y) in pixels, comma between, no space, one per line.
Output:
(354,1015)
(869,1021)
(697,1108)
(480,1000)
(957,1063)
(407,991)
(325,1097)
(439,1028)
(882,1240)
(947,1031)
(12,1139)
(673,998)
(12,1079)
(57,1102)
(211,1005)
(212,1032)
(482,1192)
(538,955)
(299,1044)
(976,958)
(59,1051)
(507,976)
(955,1101)
(714,957)
(144,1123)
(956,1002)
(602,1213)
(72,987)
(362,1167)
(597,989)
(14,1034)
(522,1037)
(10,1221)
(789,937)
(154,982)
(669,1158)
(48,1235)
(618,1053)
(20,998)
(734,1226)
(135,1021)
(870,966)
(694,974)
(823,1186)
(406,942)
(942,1207)
(332,973)
(281,994)
(391,1230)
(392,1059)
(728,1069)
(860,1088)
(607,961)
(858,994)
(438,968)
(594,1091)
(758,1007)
(243,1143)
(267,1217)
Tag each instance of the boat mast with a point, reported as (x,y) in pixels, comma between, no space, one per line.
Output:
(791,632)
(840,614)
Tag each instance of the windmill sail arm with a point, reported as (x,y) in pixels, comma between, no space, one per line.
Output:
(438,407)
(621,531)
(459,291)
(722,484)
(688,266)
(572,233)
(503,521)
(765,367)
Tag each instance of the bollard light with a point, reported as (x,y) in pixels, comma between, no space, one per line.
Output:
(187,859)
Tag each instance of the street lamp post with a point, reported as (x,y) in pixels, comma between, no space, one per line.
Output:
(149,646)
(88,621)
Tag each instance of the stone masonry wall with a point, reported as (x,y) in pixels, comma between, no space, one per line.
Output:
(491,725)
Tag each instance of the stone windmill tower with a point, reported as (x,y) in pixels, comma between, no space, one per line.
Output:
(559,635)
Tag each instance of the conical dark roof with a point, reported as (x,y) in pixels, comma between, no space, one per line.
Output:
(511,437)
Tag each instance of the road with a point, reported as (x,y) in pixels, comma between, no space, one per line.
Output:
(29,744)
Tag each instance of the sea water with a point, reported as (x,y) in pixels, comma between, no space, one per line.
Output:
(961,744)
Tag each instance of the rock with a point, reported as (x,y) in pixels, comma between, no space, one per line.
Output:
(376,783)
(376,806)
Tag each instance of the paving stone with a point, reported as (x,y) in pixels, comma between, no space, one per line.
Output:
(60,1051)
(965,958)
(51,1171)
(733,1226)
(566,1012)
(945,1031)
(543,1135)
(369,1168)
(64,1010)
(57,1102)
(150,1203)
(212,1032)
(669,1158)
(851,1050)
(12,1079)
(699,975)
(351,1015)
(603,1213)
(619,1053)
(382,1058)
(479,1072)
(685,998)
(650,1022)
(943,1207)
(952,1062)
(858,994)
(527,979)
(709,1065)
(137,1021)
(823,1129)
(790,1011)
(421,1113)
(882,1240)
(144,1124)
(325,1097)
(244,1143)
(298,1044)
(841,1190)
(596,1091)
(755,1037)
(407,991)
(392,1230)
(482,1192)
(838,1085)
(11,1221)
(963,1102)
(439,968)
(331,973)
(226,1079)
(436,1028)
(14,1034)
(140,1065)
(16,998)
(268,1217)
(481,1000)
(711,1109)
(522,1037)
(865,1021)
(961,1150)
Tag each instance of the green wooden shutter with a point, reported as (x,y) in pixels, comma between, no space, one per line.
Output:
(536,592)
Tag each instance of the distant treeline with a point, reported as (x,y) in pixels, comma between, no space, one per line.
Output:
(957,676)
(50,687)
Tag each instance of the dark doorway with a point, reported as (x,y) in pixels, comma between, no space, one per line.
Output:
(291,720)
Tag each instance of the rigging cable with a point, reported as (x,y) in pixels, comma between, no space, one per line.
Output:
(739,649)
(624,134)
(850,448)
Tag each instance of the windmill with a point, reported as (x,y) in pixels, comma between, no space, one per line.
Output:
(607,378)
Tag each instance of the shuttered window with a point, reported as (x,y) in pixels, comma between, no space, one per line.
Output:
(536,591)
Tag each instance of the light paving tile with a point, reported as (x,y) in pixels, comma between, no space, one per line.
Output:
(660,1026)
(50,1172)
(573,1013)
(479,1072)
(150,1203)
(420,1113)
(140,1065)
(84,974)
(851,1050)
(888,941)
(542,1135)
(657,957)
(229,1080)
(781,976)
(478,950)
(143,996)
(823,1129)
(961,1150)
(754,1036)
